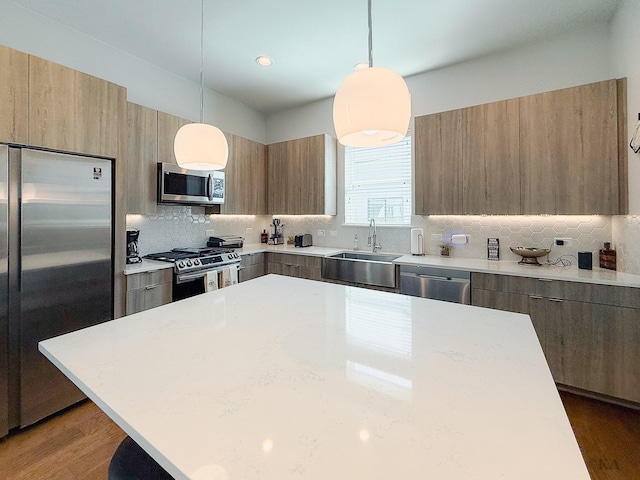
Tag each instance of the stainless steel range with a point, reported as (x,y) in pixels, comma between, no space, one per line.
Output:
(191,266)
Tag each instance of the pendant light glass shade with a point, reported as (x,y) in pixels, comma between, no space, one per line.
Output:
(199,146)
(372,108)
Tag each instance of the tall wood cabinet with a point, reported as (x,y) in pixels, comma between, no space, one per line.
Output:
(14,96)
(569,151)
(245,177)
(73,111)
(302,176)
(438,163)
(142,158)
(168,126)
(490,162)
(558,152)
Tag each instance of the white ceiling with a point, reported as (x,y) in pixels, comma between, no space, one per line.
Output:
(314,44)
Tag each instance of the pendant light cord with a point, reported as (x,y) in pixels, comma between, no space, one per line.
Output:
(202,61)
(370,38)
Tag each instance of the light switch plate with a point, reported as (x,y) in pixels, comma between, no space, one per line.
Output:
(321,233)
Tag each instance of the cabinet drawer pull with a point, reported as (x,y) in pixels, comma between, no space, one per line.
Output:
(151,287)
(556,300)
(545,280)
(536,297)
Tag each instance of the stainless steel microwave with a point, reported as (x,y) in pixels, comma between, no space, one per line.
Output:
(189,187)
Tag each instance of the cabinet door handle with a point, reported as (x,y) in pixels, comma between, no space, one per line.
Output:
(556,300)
(151,287)
(536,297)
(545,280)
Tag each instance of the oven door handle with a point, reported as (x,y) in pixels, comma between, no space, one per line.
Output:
(187,277)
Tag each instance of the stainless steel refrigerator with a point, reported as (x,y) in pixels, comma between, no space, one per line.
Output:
(56,271)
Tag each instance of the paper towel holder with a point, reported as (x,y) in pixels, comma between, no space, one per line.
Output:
(421,246)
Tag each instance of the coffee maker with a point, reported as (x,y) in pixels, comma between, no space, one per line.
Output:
(277,237)
(133,255)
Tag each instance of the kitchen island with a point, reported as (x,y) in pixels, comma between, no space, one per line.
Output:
(284,378)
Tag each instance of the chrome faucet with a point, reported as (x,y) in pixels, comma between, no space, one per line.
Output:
(372,238)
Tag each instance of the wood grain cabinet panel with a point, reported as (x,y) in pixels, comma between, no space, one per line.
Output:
(73,111)
(438,164)
(168,126)
(589,333)
(142,158)
(147,290)
(252,265)
(569,151)
(292,265)
(490,159)
(557,152)
(245,177)
(14,97)
(302,176)
(595,347)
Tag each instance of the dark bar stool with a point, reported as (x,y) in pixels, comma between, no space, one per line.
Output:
(130,462)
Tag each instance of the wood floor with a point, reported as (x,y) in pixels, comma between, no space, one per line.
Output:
(78,443)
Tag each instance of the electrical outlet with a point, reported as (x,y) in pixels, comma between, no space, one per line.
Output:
(436,237)
(248,230)
(562,241)
(333,233)
(321,233)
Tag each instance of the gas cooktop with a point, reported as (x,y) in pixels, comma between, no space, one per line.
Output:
(192,259)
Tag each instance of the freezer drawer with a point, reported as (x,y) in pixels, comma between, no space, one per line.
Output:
(436,283)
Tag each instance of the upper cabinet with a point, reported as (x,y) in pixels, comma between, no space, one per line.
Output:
(168,126)
(438,154)
(141,159)
(490,163)
(569,150)
(245,177)
(551,153)
(14,99)
(73,111)
(302,176)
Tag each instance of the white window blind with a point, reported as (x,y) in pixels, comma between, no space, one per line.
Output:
(378,184)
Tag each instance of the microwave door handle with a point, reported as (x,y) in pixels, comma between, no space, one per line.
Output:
(210,187)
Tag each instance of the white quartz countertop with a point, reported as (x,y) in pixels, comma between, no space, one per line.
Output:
(282,378)
(509,267)
(146,266)
(504,267)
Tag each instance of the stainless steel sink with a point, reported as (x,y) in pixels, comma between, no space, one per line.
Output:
(360,267)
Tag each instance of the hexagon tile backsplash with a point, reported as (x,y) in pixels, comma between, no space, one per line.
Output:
(187,226)
(626,240)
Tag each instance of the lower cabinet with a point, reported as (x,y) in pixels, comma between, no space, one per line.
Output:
(300,266)
(590,333)
(147,290)
(252,265)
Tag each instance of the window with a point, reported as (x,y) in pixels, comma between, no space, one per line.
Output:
(378,184)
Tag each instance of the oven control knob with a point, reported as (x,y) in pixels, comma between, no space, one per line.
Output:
(188,263)
(180,264)
(196,262)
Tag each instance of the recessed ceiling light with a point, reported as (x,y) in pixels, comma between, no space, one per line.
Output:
(264,60)
(360,66)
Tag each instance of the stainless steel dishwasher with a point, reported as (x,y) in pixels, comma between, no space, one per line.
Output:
(436,283)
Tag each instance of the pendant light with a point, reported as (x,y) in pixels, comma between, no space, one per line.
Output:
(199,146)
(372,106)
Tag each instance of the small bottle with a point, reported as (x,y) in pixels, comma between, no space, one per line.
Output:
(264,237)
(355,242)
(608,257)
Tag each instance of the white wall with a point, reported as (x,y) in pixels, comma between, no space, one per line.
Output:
(626,54)
(572,59)
(146,84)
